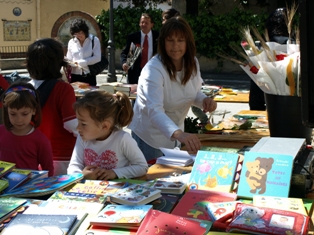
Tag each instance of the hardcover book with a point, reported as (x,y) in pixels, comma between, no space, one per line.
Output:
(101,230)
(44,186)
(9,205)
(169,185)
(265,174)
(157,222)
(5,167)
(121,216)
(213,171)
(14,179)
(24,224)
(78,197)
(282,203)
(135,194)
(165,203)
(218,210)
(193,203)
(3,184)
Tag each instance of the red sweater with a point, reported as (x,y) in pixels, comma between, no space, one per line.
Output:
(57,110)
(4,85)
(27,151)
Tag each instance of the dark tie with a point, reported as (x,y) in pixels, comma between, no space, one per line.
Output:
(144,52)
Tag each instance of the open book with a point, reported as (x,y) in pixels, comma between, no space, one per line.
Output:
(175,157)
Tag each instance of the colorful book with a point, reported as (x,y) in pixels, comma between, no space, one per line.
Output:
(3,184)
(282,203)
(22,171)
(169,185)
(217,210)
(78,197)
(158,222)
(193,203)
(8,205)
(6,167)
(121,216)
(101,230)
(135,194)
(14,179)
(24,224)
(166,202)
(44,186)
(213,171)
(265,174)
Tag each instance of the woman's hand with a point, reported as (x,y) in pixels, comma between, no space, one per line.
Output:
(191,141)
(209,105)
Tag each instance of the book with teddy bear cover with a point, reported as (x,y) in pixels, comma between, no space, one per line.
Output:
(265,174)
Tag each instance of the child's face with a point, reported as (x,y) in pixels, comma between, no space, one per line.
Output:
(88,128)
(21,118)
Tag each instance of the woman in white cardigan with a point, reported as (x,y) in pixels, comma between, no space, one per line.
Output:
(169,84)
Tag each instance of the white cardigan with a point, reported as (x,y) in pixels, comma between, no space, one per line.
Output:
(162,105)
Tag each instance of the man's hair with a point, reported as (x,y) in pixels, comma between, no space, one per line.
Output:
(146,15)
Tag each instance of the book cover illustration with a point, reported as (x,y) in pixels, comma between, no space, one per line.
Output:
(3,184)
(8,205)
(265,174)
(213,171)
(193,203)
(168,185)
(282,203)
(166,202)
(14,179)
(24,224)
(79,197)
(263,220)
(158,222)
(5,167)
(22,171)
(218,210)
(123,216)
(101,230)
(44,186)
(135,194)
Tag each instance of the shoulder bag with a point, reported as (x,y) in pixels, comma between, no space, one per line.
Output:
(97,68)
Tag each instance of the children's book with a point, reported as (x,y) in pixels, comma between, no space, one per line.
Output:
(91,187)
(217,210)
(3,185)
(158,222)
(101,230)
(121,216)
(24,224)
(44,186)
(166,202)
(282,203)
(193,203)
(265,174)
(263,220)
(135,194)
(78,197)
(9,205)
(213,171)
(14,179)
(22,171)
(6,167)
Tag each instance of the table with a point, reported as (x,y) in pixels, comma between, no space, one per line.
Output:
(239,97)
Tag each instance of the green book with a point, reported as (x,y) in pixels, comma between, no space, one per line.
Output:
(3,184)
(6,167)
(309,205)
(220,149)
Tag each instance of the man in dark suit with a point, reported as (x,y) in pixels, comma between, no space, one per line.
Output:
(136,39)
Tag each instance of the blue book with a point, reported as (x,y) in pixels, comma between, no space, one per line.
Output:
(265,174)
(14,179)
(213,171)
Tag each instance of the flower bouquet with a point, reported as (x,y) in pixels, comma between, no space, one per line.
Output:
(134,52)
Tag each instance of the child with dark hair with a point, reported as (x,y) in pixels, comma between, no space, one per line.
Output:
(20,140)
(103,151)
(44,60)
(83,49)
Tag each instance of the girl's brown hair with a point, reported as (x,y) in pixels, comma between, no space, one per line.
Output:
(103,105)
(180,27)
(20,95)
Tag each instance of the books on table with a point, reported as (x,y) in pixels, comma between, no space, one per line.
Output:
(135,194)
(14,179)
(78,197)
(213,171)
(265,174)
(101,230)
(175,157)
(158,222)
(282,203)
(172,185)
(166,202)
(217,210)
(8,205)
(193,203)
(5,167)
(24,224)
(121,216)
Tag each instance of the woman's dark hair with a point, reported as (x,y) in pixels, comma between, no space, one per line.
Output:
(169,13)
(44,59)
(276,23)
(20,95)
(78,25)
(178,26)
